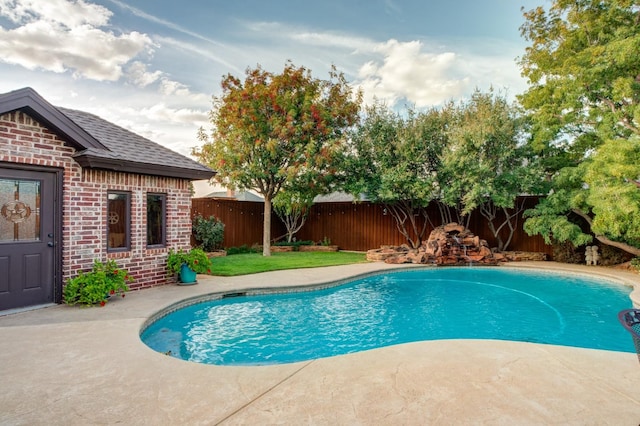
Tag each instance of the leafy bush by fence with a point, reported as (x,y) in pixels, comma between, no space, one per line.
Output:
(209,233)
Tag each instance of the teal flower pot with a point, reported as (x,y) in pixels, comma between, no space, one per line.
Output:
(187,275)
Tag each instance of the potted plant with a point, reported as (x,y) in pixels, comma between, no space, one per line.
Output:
(188,263)
(98,285)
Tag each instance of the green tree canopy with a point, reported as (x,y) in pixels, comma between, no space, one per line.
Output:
(292,207)
(463,157)
(583,69)
(395,161)
(274,130)
(487,164)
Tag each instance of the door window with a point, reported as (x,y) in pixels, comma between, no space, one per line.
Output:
(19,210)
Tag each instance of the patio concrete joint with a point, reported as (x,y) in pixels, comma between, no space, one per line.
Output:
(267,391)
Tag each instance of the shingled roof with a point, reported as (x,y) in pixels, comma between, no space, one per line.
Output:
(238,196)
(102,144)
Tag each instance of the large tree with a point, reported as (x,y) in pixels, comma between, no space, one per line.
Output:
(394,161)
(583,69)
(273,129)
(488,164)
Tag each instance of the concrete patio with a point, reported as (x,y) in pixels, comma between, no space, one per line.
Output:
(87,366)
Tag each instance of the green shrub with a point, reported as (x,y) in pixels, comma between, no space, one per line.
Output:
(243,249)
(294,243)
(635,262)
(566,252)
(209,233)
(97,285)
(610,255)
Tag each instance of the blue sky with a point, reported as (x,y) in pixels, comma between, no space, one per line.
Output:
(152,66)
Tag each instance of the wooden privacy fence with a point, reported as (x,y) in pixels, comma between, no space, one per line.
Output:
(350,226)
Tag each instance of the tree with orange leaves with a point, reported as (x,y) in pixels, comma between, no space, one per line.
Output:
(274,132)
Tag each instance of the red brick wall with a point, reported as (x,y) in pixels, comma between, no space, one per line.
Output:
(84,218)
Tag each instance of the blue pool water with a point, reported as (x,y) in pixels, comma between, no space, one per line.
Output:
(394,308)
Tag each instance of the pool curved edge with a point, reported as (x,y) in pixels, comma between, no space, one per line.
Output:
(625,278)
(622,277)
(269,289)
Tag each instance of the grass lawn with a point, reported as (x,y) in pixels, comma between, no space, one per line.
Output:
(251,263)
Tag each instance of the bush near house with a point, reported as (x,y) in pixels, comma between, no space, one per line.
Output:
(209,233)
(98,285)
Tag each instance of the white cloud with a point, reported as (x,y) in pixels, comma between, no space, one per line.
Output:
(421,73)
(404,71)
(160,112)
(137,74)
(69,14)
(176,89)
(67,39)
(357,44)
(500,71)
(175,128)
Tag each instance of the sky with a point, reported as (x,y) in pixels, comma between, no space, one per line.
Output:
(153,66)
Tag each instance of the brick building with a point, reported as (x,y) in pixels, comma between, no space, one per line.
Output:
(74,188)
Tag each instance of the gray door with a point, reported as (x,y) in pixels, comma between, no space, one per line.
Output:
(27,255)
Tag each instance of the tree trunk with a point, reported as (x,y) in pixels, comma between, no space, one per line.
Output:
(293,221)
(266,231)
(403,211)
(489,212)
(496,235)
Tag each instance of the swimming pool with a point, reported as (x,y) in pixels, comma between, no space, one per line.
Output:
(394,308)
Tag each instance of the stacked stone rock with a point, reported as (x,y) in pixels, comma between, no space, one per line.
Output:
(450,244)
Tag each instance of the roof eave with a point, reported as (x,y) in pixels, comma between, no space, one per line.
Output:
(30,101)
(96,162)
